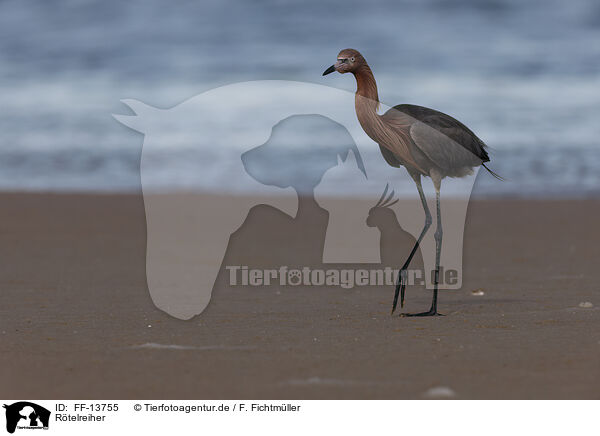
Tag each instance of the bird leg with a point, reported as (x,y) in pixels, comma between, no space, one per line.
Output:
(438,249)
(401,282)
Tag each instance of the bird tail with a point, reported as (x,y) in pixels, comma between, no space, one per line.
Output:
(493,173)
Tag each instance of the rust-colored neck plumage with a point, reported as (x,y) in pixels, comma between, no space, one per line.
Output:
(367,103)
(393,136)
(366,86)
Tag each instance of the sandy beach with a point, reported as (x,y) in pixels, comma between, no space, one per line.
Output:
(77,320)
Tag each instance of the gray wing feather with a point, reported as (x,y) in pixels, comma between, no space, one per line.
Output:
(443,151)
(447,125)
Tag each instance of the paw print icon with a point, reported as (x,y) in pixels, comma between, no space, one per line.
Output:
(294,277)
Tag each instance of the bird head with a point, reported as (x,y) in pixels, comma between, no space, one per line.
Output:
(348,61)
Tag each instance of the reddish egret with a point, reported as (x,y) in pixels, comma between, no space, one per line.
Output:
(426,142)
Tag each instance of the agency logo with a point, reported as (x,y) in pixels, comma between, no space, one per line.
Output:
(26,415)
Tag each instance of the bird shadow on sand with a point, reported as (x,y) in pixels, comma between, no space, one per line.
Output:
(269,238)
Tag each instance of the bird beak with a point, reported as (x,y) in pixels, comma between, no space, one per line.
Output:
(329,70)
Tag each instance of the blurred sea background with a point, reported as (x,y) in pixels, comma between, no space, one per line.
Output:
(523,74)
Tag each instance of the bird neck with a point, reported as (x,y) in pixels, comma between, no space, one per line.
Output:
(366,102)
(394,137)
(366,86)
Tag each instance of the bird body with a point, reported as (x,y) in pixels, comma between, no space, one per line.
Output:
(424,141)
(421,139)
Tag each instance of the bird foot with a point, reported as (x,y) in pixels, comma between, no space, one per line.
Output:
(429,313)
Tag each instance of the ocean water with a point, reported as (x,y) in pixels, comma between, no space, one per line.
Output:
(523,74)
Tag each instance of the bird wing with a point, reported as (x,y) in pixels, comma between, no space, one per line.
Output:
(443,139)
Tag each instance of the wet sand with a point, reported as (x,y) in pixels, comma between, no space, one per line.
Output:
(77,320)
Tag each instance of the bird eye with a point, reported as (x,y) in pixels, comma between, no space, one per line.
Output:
(352,59)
